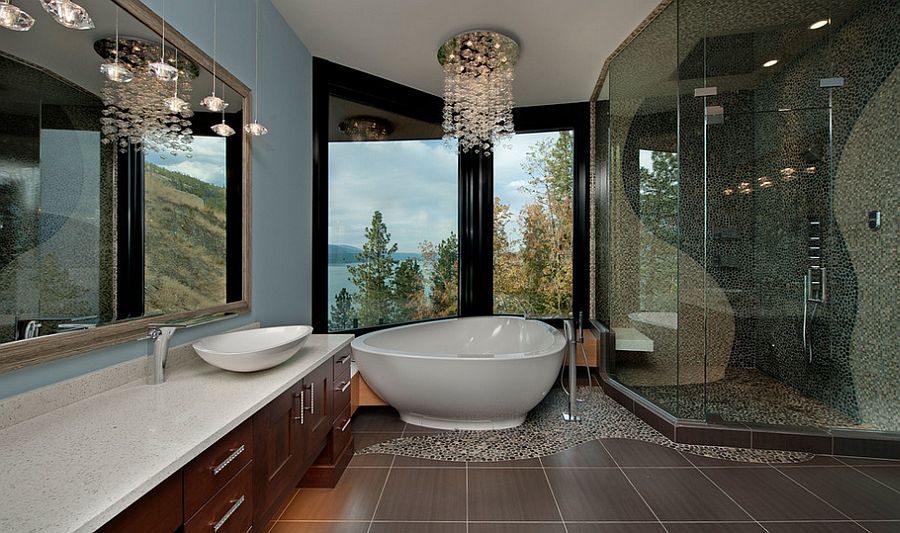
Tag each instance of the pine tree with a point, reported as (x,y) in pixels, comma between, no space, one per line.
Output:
(409,290)
(343,315)
(373,275)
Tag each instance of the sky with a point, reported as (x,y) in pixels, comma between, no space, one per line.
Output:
(414,184)
(205,161)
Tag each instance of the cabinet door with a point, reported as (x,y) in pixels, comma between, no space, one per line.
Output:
(318,415)
(278,451)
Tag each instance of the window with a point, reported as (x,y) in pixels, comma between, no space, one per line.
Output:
(407,229)
(185,227)
(392,221)
(533,224)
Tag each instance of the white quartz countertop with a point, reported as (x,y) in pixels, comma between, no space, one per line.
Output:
(74,468)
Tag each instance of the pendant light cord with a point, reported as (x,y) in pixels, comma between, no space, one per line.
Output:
(162,56)
(256,100)
(117,34)
(215,31)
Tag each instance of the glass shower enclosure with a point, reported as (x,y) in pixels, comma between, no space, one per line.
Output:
(749,257)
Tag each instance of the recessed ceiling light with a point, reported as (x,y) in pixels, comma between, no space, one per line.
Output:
(770,63)
(818,24)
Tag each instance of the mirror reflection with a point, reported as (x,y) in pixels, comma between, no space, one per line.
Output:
(120,174)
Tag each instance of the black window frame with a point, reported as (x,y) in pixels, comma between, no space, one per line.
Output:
(130,220)
(476,198)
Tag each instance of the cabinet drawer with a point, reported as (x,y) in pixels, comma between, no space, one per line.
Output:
(342,363)
(341,432)
(230,510)
(342,392)
(212,469)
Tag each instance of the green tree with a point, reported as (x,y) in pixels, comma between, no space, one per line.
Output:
(343,314)
(408,291)
(442,262)
(659,233)
(373,275)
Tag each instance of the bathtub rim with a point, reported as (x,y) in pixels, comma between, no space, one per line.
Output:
(559,342)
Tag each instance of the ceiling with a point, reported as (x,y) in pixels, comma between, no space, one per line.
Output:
(70,54)
(563,42)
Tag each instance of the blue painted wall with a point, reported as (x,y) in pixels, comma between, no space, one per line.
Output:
(282,176)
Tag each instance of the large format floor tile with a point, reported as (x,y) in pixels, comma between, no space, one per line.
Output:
(320,527)
(509,494)
(607,527)
(767,494)
(377,420)
(683,494)
(855,494)
(597,494)
(714,527)
(354,498)
(418,527)
(426,494)
(636,453)
(589,454)
(517,527)
(813,527)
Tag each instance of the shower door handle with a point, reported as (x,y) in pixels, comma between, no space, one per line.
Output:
(807,278)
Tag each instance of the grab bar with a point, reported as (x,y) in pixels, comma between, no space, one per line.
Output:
(807,279)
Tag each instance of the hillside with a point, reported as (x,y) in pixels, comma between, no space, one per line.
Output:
(342,254)
(185,241)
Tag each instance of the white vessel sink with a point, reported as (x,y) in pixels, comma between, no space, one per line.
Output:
(253,349)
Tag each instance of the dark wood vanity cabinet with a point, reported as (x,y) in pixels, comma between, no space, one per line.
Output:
(242,479)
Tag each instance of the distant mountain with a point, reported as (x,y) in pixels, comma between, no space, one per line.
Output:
(341,254)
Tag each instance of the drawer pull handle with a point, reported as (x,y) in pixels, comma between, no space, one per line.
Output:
(345,426)
(234,454)
(343,360)
(312,399)
(234,507)
(344,386)
(301,409)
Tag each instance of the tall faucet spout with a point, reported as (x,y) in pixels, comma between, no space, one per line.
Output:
(160,335)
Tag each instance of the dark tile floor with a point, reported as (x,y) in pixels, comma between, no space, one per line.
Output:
(609,486)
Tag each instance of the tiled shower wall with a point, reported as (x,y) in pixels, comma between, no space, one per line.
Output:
(755,243)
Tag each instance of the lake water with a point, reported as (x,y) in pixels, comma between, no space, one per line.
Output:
(339,278)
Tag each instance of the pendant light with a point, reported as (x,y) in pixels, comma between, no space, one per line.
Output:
(115,71)
(69,14)
(222,129)
(255,128)
(13,18)
(175,104)
(213,102)
(162,69)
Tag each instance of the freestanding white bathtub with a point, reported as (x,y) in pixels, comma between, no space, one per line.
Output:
(462,373)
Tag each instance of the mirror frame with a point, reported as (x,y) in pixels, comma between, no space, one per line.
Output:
(28,352)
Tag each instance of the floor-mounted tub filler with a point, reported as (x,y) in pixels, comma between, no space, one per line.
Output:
(462,373)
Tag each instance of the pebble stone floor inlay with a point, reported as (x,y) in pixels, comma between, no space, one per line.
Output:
(544,433)
(605,485)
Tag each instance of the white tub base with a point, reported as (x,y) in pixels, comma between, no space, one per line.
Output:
(461,425)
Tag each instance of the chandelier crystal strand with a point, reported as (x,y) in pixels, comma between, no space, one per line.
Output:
(138,112)
(255,128)
(478,99)
(69,14)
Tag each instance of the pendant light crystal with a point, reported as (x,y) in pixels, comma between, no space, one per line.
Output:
(478,98)
(255,128)
(115,71)
(223,129)
(13,18)
(69,14)
(213,102)
(161,69)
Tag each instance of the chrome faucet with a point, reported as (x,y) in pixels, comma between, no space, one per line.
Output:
(160,334)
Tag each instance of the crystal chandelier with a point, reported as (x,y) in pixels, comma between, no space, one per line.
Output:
(366,128)
(143,111)
(69,14)
(13,18)
(478,100)
(213,102)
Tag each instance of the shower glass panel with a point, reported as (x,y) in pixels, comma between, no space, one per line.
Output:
(753,203)
(644,214)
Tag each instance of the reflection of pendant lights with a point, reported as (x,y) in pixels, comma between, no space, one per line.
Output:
(213,102)
(222,129)
(175,104)
(69,14)
(366,128)
(115,71)
(161,69)
(13,18)
(255,128)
